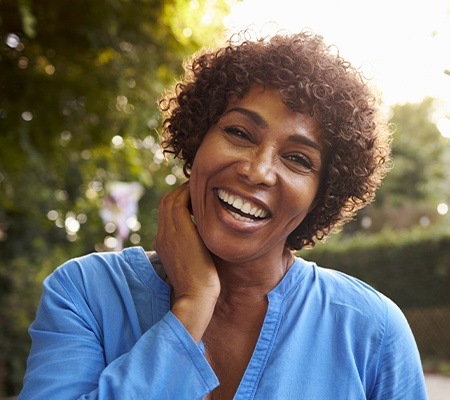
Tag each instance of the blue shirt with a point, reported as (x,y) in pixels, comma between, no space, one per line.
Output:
(104,330)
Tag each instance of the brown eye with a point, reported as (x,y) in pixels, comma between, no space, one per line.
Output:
(236,132)
(301,160)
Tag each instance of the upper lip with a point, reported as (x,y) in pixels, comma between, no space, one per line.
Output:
(254,206)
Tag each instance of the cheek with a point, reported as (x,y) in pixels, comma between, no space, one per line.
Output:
(197,185)
(198,174)
(193,191)
(303,202)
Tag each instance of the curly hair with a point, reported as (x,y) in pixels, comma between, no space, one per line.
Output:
(311,78)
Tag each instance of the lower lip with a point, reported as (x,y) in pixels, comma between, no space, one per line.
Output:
(227,218)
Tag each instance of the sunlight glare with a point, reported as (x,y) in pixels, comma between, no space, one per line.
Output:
(444,127)
(402,45)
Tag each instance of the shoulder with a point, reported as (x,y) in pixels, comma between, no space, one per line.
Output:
(345,289)
(95,283)
(112,265)
(105,275)
(372,325)
(354,299)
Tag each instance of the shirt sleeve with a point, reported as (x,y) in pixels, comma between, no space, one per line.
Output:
(400,375)
(67,360)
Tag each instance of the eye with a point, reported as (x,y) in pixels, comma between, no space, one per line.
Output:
(233,130)
(237,135)
(300,161)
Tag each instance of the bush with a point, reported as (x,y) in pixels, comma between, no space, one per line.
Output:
(411,267)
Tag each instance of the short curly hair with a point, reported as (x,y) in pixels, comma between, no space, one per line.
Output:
(311,78)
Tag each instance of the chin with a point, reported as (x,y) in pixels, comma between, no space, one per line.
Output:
(230,253)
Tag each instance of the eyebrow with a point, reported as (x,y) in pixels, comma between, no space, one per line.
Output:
(260,121)
(254,116)
(306,141)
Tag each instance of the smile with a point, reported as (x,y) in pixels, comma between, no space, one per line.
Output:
(241,209)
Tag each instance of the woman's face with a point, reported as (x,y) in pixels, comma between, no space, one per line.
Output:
(255,177)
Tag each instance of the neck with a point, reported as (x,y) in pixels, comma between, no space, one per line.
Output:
(252,279)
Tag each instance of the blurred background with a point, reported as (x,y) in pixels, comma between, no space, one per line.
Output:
(81,169)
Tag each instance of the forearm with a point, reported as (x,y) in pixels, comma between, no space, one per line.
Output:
(165,363)
(72,357)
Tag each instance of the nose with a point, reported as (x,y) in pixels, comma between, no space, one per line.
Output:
(258,168)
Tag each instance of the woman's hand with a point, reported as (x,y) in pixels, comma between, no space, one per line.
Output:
(188,263)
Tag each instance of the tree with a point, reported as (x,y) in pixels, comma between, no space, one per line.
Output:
(418,148)
(418,181)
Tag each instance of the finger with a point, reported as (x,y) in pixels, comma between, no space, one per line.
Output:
(166,204)
(173,213)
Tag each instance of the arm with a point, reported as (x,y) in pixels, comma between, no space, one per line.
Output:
(400,375)
(67,359)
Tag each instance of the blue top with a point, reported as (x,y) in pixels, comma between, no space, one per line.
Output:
(104,330)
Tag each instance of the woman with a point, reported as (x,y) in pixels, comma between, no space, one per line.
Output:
(282,143)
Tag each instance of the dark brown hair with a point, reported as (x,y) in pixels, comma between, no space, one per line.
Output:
(311,78)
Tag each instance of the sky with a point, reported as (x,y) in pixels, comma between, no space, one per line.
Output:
(402,45)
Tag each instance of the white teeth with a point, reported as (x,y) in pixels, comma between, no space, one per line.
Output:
(238,203)
(241,204)
(246,208)
(241,218)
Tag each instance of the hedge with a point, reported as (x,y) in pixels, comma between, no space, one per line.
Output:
(411,267)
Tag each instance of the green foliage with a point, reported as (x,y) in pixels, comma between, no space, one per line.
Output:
(74,76)
(419,179)
(417,149)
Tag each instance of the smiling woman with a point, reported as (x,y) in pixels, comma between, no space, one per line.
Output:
(281,144)
(311,80)
(249,154)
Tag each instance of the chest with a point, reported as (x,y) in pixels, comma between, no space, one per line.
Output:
(229,351)
(291,358)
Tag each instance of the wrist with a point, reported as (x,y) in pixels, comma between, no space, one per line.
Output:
(195,313)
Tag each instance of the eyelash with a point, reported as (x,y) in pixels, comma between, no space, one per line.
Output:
(232,130)
(301,160)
